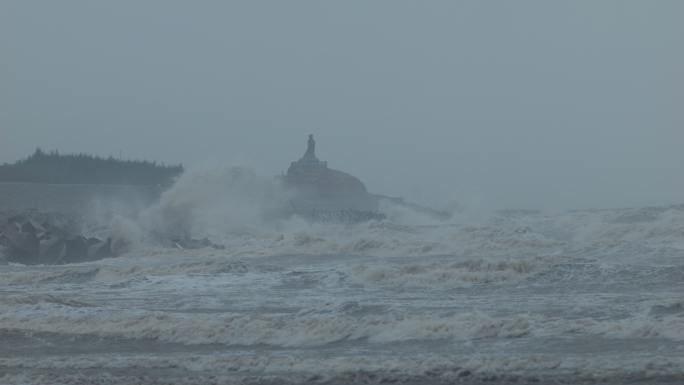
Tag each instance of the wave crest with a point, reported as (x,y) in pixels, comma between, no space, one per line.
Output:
(320,330)
(459,273)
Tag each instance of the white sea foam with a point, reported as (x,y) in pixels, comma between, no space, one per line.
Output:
(228,206)
(661,224)
(677,302)
(320,330)
(620,286)
(512,234)
(357,369)
(21,301)
(207,267)
(106,273)
(659,231)
(23,275)
(387,239)
(460,273)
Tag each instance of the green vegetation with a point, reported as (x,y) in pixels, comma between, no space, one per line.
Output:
(52,167)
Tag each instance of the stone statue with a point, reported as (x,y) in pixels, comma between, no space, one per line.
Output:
(310,149)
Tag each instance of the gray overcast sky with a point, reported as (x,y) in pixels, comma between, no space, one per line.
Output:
(564,105)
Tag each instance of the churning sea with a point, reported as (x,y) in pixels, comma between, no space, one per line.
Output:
(508,297)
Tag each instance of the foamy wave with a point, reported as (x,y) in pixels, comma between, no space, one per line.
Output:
(649,224)
(20,301)
(510,234)
(207,267)
(386,239)
(614,233)
(472,240)
(318,330)
(114,273)
(665,303)
(460,273)
(358,369)
(47,274)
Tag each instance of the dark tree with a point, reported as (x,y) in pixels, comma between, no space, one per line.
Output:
(42,167)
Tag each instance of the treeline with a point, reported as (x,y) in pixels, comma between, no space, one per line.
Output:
(42,167)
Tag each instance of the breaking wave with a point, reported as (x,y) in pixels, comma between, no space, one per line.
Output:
(319,330)
(27,276)
(114,273)
(237,209)
(388,239)
(213,201)
(665,303)
(360,369)
(459,273)
(40,299)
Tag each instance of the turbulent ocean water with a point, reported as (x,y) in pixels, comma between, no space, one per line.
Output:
(567,297)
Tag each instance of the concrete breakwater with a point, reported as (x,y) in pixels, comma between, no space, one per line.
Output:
(43,223)
(32,238)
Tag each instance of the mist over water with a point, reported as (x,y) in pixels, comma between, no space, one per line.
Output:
(529,296)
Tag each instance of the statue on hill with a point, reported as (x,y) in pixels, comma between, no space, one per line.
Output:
(311,148)
(311,176)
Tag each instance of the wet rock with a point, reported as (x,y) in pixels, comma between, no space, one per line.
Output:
(19,247)
(31,226)
(31,238)
(16,219)
(51,251)
(76,250)
(58,232)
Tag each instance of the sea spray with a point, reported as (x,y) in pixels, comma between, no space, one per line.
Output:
(126,235)
(212,202)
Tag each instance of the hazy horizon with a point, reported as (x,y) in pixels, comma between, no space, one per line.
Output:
(519,105)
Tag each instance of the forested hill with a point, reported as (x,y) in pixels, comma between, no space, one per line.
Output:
(42,167)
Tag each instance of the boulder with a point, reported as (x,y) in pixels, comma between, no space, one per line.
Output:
(20,247)
(51,251)
(76,250)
